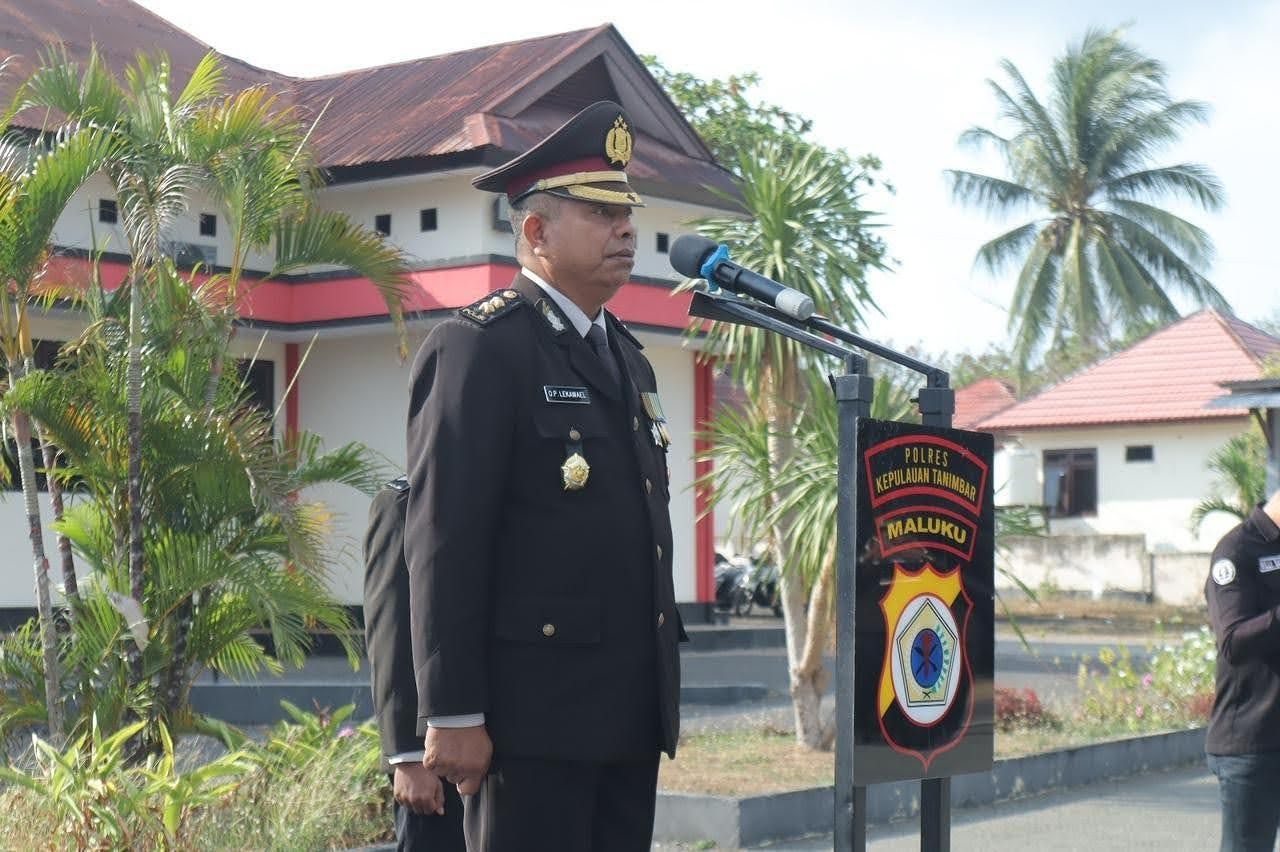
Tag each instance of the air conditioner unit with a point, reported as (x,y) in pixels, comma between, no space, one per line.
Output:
(502,214)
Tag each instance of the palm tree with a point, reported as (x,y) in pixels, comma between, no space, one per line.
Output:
(37,180)
(1101,254)
(245,150)
(230,547)
(744,476)
(1241,466)
(806,228)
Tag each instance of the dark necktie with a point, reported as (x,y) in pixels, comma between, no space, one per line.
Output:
(595,336)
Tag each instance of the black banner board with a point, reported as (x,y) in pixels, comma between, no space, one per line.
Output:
(924,638)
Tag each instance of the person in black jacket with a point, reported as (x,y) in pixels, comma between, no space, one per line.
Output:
(1243,740)
(539,542)
(428,814)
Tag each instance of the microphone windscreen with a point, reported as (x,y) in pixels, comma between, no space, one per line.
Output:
(689,252)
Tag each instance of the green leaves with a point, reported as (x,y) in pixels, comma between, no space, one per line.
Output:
(1104,254)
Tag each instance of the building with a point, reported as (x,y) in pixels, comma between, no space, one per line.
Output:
(400,144)
(1122,448)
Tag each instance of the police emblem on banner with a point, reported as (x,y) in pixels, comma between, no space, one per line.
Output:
(926,688)
(924,644)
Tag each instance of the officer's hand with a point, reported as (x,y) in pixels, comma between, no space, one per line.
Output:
(417,788)
(460,755)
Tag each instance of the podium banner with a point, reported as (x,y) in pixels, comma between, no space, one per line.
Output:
(924,638)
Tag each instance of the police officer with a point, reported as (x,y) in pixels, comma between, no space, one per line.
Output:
(1243,742)
(538,537)
(428,814)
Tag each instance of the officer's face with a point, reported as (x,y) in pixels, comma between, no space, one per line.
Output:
(590,248)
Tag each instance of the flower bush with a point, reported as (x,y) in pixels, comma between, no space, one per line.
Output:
(1173,689)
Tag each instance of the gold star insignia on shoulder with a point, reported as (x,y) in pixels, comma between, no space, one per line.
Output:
(496,304)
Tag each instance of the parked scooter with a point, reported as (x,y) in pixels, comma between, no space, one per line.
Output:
(743,583)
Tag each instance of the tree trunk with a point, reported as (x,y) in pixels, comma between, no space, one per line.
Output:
(44,603)
(808,681)
(70,586)
(137,579)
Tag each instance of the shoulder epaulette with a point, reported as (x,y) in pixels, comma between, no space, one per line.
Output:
(497,304)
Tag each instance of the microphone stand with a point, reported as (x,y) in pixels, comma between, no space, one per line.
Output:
(854,390)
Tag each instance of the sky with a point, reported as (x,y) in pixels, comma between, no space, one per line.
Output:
(901,80)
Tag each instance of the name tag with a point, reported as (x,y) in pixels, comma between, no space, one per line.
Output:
(560,393)
(1266,564)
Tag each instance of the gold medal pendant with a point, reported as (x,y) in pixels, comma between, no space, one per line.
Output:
(575,471)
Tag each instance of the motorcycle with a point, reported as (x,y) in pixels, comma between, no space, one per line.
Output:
(743,583)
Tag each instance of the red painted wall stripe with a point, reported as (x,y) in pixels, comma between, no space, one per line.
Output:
(704,396)
(355,298)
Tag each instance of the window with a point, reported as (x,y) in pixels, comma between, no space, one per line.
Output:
(664,241)
(1140,453)
(427,219)
(107,211)
(1071,482)
(259,379)
(382,224)
(208,225)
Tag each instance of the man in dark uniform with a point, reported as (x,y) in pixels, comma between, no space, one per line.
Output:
(538,537)
(428,814)
(1243,741)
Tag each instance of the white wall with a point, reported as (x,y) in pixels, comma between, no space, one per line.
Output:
(674,366)
(80,221)
(1153,498)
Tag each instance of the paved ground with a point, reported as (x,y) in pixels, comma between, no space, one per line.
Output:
(1162,811)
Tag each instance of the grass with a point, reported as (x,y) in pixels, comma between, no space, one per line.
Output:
(756,762)
(1067,613)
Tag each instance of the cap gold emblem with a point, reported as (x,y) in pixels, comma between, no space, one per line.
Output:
(617,145)
(575,471)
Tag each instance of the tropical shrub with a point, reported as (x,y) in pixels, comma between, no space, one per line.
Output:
(1174,689)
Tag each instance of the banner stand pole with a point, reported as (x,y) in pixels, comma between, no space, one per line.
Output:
(853,392)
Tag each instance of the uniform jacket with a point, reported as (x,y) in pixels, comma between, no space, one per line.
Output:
(552,611)
(386,622)
(1243,591)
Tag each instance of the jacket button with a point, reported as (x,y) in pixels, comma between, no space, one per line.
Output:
(635,424)
(575,435)
(659,549)
(662,619)
(548,630)
(648,486)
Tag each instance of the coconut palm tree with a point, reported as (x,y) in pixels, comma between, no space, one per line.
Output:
(1101,253)
(806,227)
(38,177)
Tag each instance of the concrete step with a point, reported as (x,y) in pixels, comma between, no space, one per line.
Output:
(713,637)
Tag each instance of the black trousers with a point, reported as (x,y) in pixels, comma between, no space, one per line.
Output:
(432,832)
(540,805)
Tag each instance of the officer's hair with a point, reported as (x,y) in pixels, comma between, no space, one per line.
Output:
(544,204)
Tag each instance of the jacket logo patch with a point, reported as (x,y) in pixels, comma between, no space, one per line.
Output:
(1267,564)
(1224,571)
(560,393)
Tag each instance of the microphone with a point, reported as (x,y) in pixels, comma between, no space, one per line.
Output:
(695,256)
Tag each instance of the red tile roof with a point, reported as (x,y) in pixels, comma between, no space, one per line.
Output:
(487,103)
(1169,376)
(980,400)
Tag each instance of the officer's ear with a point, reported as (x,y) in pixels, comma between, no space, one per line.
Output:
(533,229)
